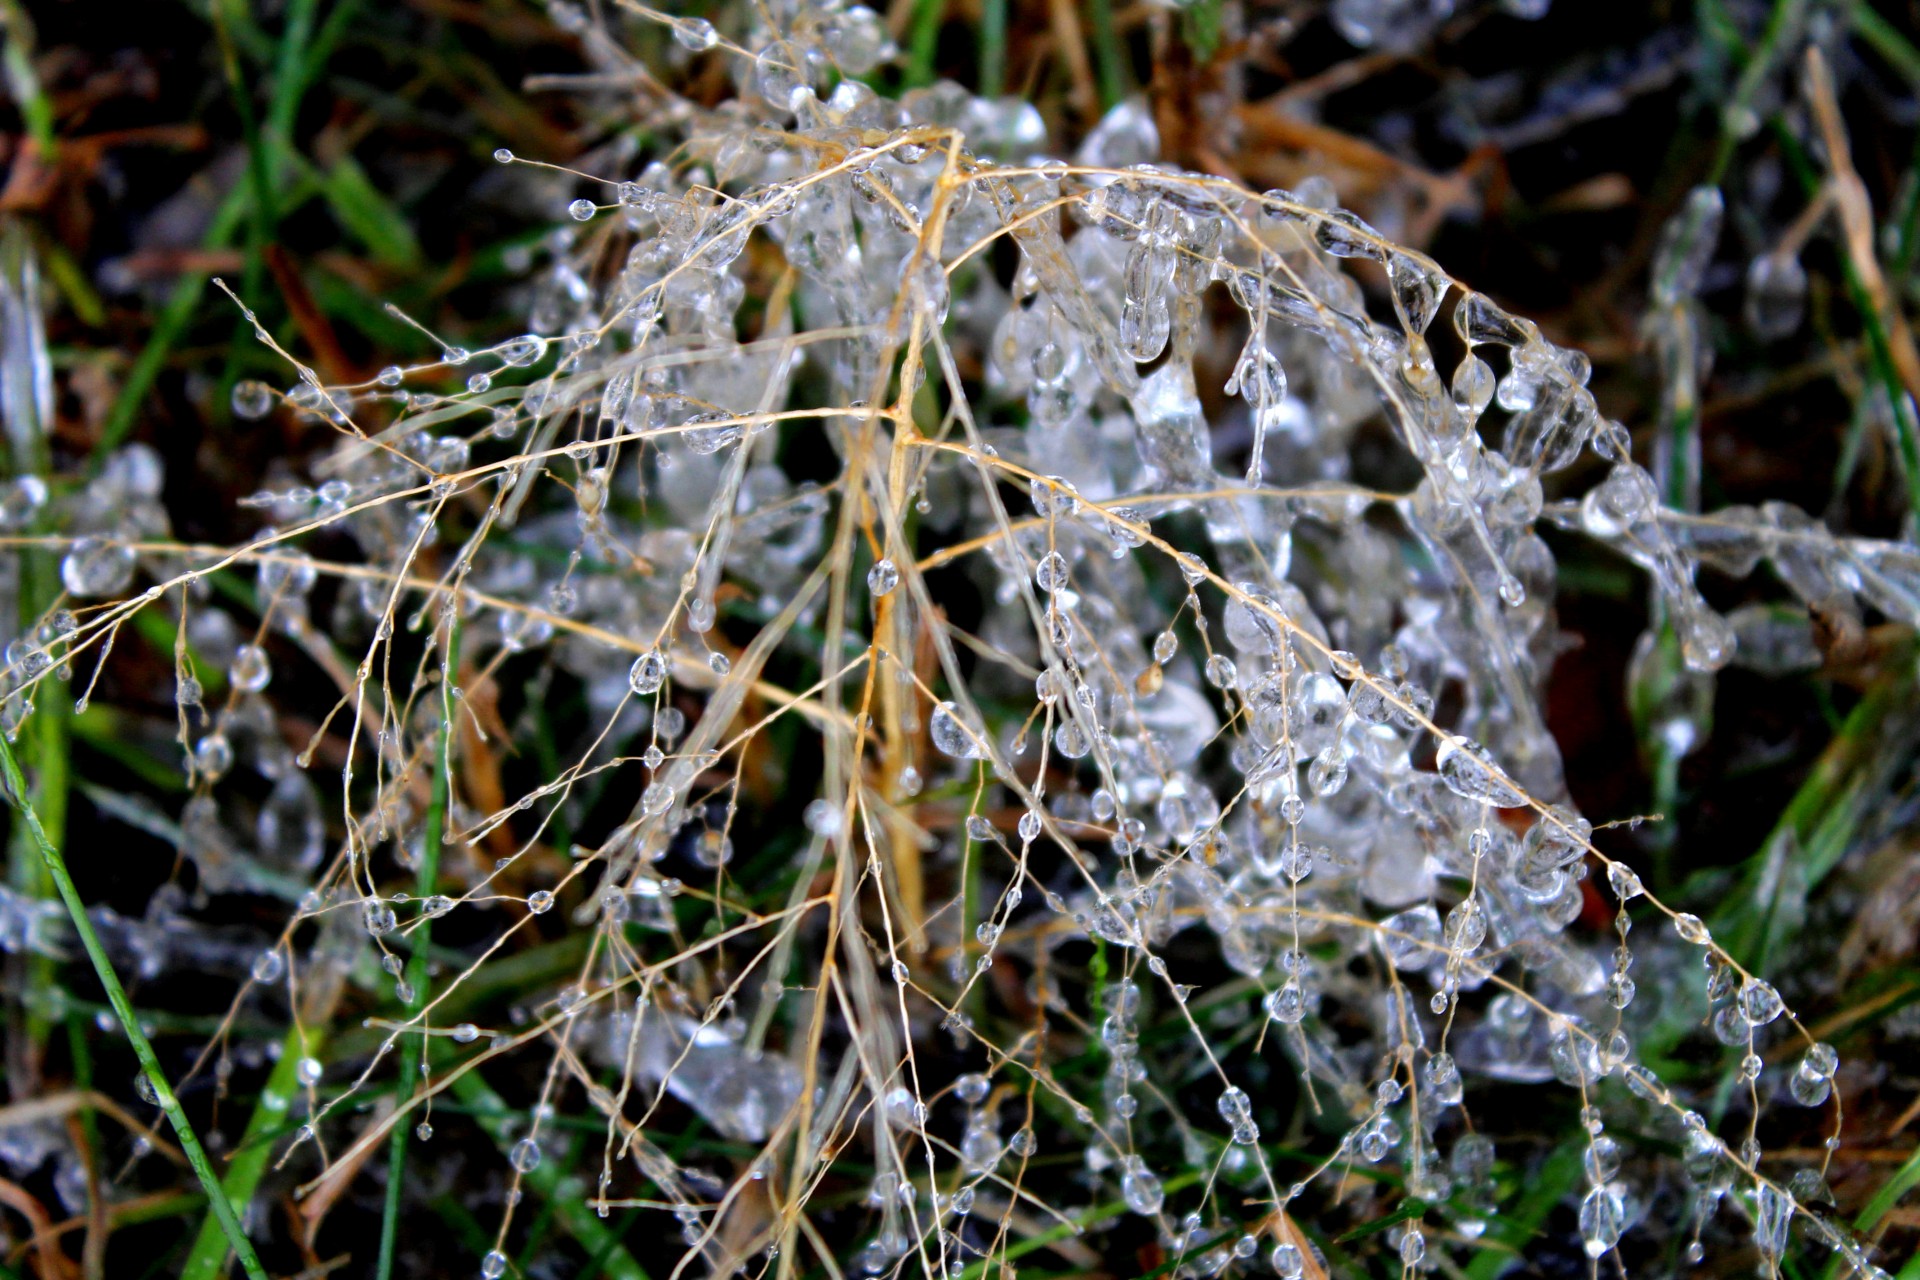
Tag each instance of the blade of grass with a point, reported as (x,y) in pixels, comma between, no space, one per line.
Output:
(208,1258)
(923,40)
(369,218)
(1889,1194)
(23,85)
(1886,40)
(1544,1189)
(993,48)
(168,328)
(595,1236)
(1110,60)
(299,59)
(28,376)
(413,1052)
(260,226)
(20,797)
(1061,1230)
(1820,823)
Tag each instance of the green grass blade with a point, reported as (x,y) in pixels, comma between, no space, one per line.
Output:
(993,48)
(369,218)
(1848,783)
(923,39)
(208,1258)
(18,795)
(1110,59)
(168,329)
(1543,1190)
(573,1209)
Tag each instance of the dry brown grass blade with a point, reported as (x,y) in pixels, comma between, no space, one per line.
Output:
(51,1263)
(1856,220)
(55,1106)
(325,1191)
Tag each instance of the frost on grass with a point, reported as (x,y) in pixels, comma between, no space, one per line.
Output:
(1181,845)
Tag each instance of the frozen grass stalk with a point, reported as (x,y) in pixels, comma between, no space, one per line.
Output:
(959,753)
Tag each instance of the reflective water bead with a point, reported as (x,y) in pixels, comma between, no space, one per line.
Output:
(1626,885)
(97,567)
(250,671)
(1808,1088)
(950,736)
(1776,295)
(1620,990)
(883,577)
(1140,1188)
(251,399)
(1759,1002)
(213,755)
(1050,575)
(268,966)
(648,673)
(696,35)
(1288,1004)
(1603,1219)
(1691,929)
(378,917)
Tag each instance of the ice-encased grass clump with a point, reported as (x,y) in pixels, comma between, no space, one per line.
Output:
(1180,841)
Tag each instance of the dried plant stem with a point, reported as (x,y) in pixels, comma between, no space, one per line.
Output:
(123,1009)
(414,1054)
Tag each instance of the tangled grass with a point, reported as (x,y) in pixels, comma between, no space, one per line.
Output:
(826,751)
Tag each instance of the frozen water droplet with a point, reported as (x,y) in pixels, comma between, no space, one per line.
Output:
(250,671)
(950,736)
(268,967)
(251,399)
(97,567)
(1140,1187)
(695,34)
(648,673)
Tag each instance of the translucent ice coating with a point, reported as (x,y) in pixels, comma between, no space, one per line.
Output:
(1015,502)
